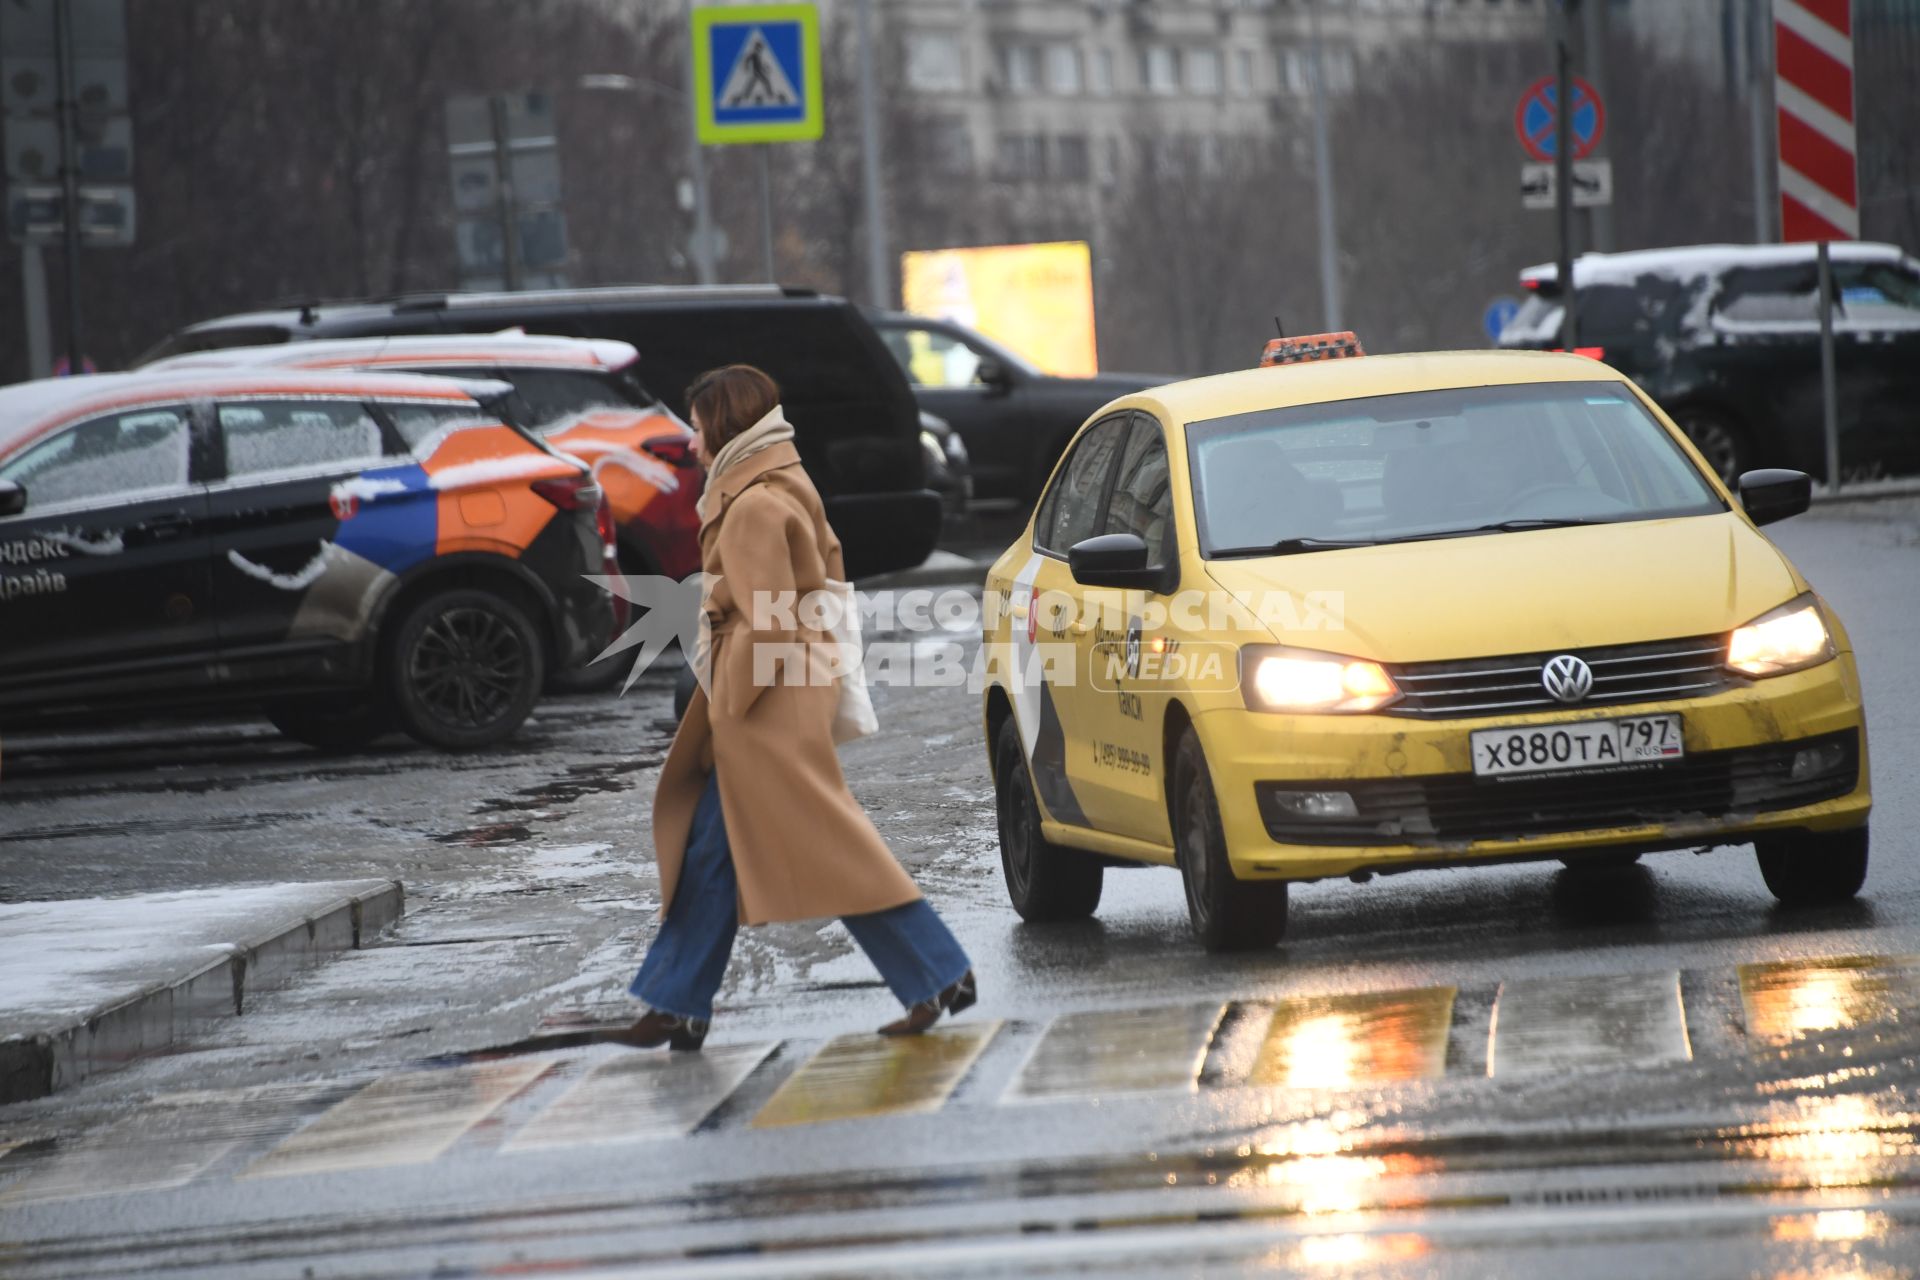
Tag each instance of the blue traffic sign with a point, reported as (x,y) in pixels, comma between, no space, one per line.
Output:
(757,73)
(1500,313)
(1536,118)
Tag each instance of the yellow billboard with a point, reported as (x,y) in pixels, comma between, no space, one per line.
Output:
(1034,298)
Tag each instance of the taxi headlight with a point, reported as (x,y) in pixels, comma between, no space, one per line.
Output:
(1789,638)
(1277,679)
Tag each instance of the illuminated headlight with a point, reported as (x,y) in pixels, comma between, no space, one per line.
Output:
(1789,638)
(1275,679)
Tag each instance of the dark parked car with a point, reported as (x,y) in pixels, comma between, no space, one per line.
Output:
(352,552)
(1015,420)
(1726,338)
(856,422)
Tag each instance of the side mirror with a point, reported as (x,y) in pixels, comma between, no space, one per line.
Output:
(13,498)
(993,375)
(1113,560)
(1774,493)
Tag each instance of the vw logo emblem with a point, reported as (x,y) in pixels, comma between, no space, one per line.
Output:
(1567,679)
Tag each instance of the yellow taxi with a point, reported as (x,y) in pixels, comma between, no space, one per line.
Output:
(1352,616)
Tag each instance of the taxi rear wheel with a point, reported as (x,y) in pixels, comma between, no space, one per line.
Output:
(1806,868)
(466,669)
(1227,913)
(1045,881)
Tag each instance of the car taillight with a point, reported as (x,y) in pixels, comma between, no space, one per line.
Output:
(569,493)
(603,521)
(677,450)
(1591,353)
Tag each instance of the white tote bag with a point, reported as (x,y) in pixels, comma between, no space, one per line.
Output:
(853,717)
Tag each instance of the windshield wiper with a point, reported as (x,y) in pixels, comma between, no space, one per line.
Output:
(1501,526)
(1291,546)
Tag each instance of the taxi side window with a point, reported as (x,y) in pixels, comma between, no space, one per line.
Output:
(272,436)
(145,450)
(1142,502)
(1073,510)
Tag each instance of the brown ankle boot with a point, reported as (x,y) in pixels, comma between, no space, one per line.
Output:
(656,1028)
(916,1020)
(961,995)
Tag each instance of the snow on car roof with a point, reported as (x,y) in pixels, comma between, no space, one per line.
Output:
(1695,261)
(512,346)
(29,408)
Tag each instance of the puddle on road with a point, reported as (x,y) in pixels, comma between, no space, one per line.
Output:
(581,780)
(487,836)
(1846,1140)
(860,1076)
(1353,1041)
(1788,999)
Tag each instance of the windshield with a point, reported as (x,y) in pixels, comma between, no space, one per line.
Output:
(1435,464)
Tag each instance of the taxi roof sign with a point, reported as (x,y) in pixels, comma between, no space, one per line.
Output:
(1312,346)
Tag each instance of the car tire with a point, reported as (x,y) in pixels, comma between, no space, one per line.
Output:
(1045,881)
(1720,441)
(1810,869)
(343,726)
(1227,913)
(465,668)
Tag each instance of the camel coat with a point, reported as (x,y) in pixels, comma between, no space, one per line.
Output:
(803,848)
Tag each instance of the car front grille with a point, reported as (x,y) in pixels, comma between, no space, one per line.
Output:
(1454,807)
(1686,668)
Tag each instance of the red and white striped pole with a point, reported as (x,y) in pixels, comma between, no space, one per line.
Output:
(1813,96)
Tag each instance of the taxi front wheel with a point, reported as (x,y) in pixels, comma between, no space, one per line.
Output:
(1045,881)
(1807,868)
(1228,914)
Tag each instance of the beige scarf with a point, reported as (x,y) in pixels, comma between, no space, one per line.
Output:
(770,430)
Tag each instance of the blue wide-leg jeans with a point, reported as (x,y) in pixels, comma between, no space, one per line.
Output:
(910,945)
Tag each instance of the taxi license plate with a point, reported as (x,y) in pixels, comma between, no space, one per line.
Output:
(1569,748)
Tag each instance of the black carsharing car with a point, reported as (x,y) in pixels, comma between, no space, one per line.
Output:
(349,552)
(856,424)
(1726,339)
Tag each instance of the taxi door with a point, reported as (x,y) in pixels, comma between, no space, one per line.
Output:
(1051,698)
(1125,696)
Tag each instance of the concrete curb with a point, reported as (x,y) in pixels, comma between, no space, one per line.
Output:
(172,1010)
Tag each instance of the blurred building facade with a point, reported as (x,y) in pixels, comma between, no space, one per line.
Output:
(1069,93)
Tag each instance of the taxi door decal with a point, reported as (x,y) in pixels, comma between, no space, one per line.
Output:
(1034,712)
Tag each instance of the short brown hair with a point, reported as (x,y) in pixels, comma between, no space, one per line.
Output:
(728,400)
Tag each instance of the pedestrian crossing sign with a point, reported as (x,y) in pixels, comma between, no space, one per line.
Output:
(756,73)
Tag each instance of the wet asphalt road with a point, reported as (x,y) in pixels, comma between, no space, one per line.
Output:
(1645,1072)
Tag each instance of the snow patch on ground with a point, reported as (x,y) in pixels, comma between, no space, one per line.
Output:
(72,956)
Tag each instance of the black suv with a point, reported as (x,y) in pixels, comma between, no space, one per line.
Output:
(855,421)
(1726,338)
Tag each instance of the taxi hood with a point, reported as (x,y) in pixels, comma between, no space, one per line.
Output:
(1522,592)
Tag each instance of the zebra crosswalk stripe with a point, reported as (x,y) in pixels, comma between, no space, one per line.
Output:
(632,1097)
(1610,1021)
(409,1117)
(861,1076)
(1114,1051)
